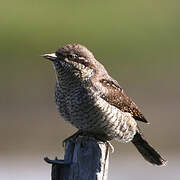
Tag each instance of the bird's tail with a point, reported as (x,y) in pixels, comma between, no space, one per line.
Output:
(147,151)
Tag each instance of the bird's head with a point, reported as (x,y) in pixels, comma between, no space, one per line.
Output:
(75,59)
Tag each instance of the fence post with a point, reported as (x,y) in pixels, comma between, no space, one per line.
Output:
(83,160)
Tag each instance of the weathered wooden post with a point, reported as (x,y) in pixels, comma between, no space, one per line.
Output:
(83,160)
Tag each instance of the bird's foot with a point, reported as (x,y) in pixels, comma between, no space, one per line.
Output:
(86,136)
(110,146)
(73,137)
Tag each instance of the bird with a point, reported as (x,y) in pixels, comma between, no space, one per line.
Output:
(91,100)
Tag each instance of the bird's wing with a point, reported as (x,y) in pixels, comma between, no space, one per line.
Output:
(117,97)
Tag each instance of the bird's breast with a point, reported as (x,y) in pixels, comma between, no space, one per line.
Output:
(86,110)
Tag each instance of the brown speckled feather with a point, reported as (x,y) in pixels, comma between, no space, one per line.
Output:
(92,101)
(121,100)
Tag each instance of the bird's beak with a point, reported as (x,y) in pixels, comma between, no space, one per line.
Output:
(51,56)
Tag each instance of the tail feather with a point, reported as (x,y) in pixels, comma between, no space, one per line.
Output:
(147,151)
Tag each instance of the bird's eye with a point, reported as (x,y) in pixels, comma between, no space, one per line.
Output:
(72,56)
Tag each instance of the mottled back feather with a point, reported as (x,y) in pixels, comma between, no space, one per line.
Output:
(118,98)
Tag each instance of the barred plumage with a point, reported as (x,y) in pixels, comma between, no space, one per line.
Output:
(92,101)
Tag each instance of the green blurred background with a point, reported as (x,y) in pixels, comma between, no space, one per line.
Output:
(137,41)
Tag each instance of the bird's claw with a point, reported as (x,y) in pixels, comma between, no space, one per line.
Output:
(110,146)
(73,137)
